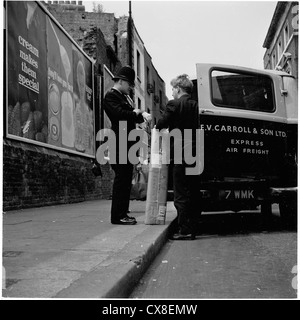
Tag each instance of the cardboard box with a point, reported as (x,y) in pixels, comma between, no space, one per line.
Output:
(156,203)
(157,189)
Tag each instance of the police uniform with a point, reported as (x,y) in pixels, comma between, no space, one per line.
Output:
(118,108)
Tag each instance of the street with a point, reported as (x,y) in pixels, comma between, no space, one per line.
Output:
(234,257)
(98,128)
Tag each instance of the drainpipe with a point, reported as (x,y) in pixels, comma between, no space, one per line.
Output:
(130,37)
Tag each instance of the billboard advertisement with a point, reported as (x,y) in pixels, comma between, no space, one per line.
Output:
(50,98)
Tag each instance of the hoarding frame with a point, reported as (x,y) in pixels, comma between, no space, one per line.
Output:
(73,42)
(110,73)
(106,123)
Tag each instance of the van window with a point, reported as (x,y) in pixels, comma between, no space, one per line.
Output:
(242,91)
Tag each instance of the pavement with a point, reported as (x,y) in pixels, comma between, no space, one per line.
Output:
(73,251)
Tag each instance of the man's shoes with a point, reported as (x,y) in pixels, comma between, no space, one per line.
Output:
(125,221)
(130,218)
(181,236)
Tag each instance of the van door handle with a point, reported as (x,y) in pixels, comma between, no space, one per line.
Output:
(206,111)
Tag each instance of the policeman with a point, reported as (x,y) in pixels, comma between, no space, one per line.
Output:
(117,105)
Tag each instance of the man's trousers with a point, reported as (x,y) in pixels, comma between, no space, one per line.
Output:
(121,191)
(186,199)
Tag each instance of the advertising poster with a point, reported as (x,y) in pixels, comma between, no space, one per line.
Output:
(50,82)
(27,70)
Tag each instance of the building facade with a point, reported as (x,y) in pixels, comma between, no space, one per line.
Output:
(281,41)
(35,175)
(139,67)
(155,90)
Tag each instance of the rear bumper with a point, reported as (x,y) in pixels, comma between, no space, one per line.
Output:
(279,191)
(278,194)
(252,195)
(215,195)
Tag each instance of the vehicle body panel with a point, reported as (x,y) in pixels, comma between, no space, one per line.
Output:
(249,118)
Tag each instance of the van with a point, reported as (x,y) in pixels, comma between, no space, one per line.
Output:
(250,123)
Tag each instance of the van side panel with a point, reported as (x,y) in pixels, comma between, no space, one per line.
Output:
(243,148)
(250,122)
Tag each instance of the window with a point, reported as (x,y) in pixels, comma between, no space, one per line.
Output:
(148,81)
(242,91)
(148,75)
(139,104)
(273,61)
(279,49)
(138,66)
(286,35)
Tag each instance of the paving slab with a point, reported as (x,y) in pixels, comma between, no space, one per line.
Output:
(73,251)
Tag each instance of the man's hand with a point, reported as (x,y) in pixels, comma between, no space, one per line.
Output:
(137,111)
(147,116)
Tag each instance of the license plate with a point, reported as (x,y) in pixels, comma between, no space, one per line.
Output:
(237,194)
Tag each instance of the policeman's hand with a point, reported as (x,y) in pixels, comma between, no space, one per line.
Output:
(147,116)
(137,111)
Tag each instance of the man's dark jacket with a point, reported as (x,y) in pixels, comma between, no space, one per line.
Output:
(182,113)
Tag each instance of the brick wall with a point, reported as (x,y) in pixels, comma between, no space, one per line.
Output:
(35,176)
(77,23)
(123,45)
(94,32)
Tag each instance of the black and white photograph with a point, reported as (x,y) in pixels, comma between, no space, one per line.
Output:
(149,153)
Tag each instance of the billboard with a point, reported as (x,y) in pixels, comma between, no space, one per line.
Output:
(50,95)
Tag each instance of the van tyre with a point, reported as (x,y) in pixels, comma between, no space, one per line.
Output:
(266,211)
(288,212)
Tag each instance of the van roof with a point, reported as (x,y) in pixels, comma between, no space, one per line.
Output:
(277,72)
(280,73)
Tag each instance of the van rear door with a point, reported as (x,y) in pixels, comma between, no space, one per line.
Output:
(243,117)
